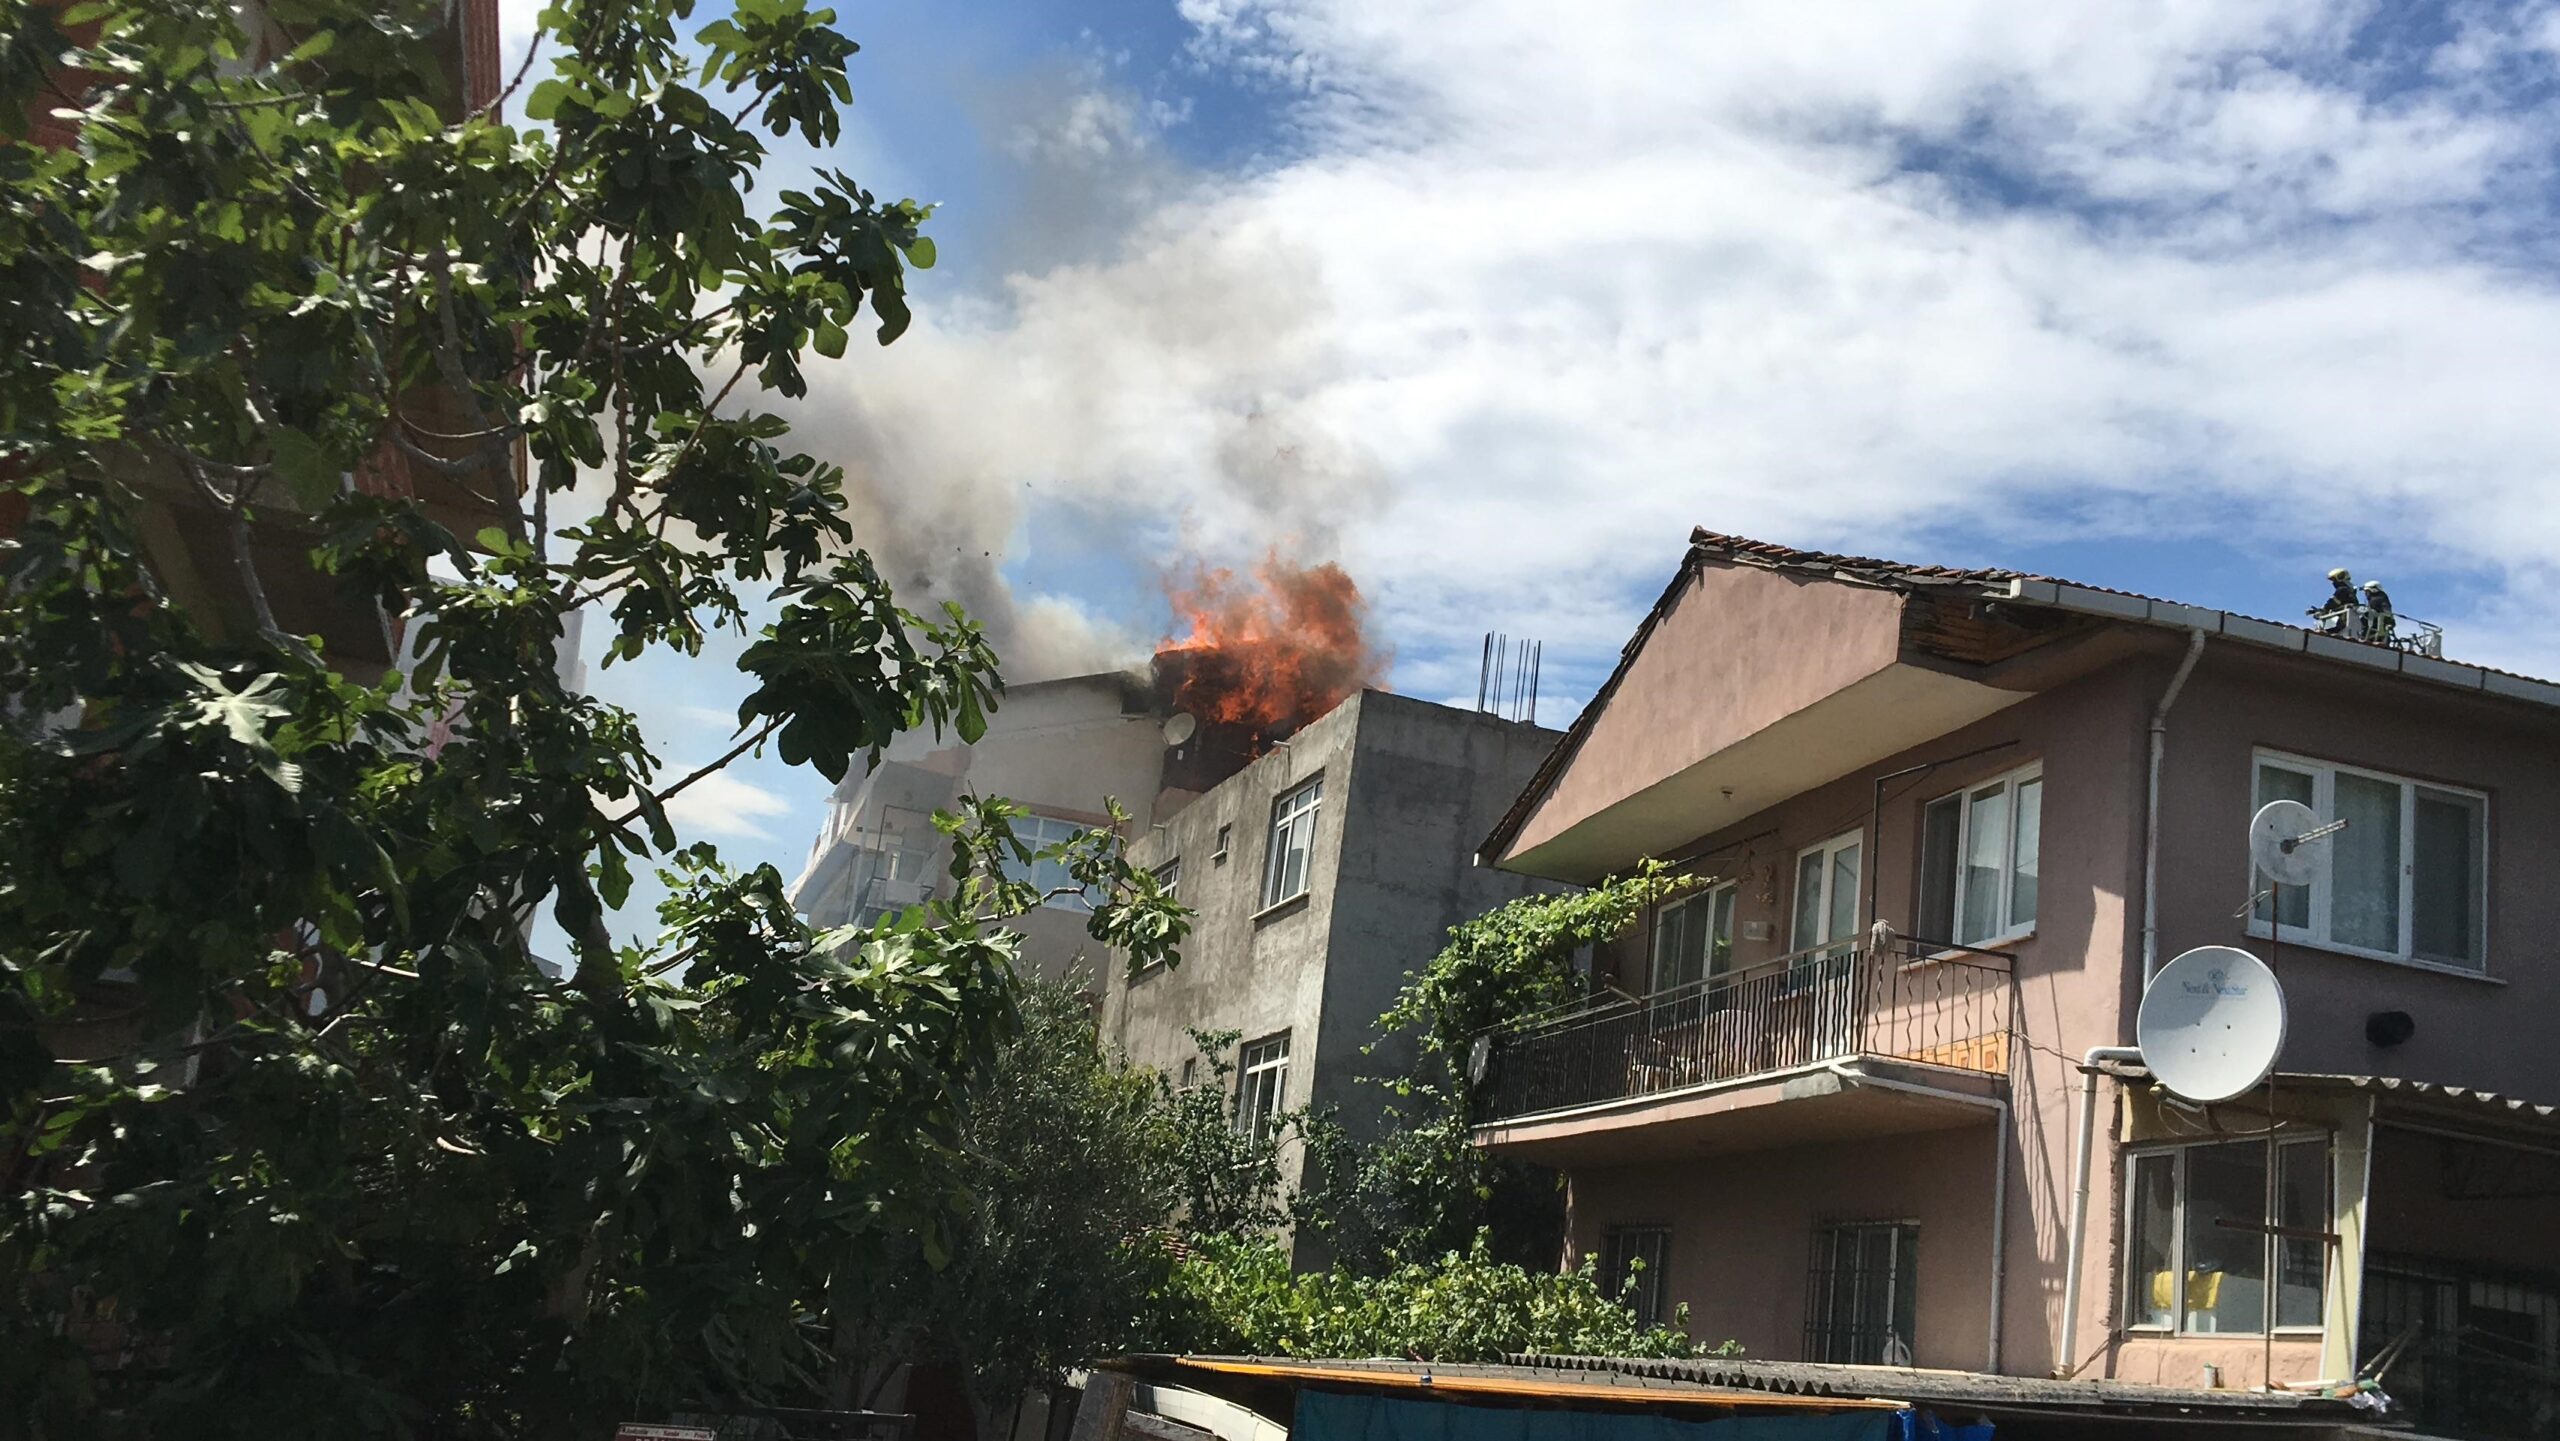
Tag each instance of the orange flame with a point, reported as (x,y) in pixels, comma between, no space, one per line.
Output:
(1270,653)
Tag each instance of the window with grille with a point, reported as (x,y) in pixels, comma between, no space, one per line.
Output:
(1293,843)
(1631,1262)
(1859,1306)
(1262,1085)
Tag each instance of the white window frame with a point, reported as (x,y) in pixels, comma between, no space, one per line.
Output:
(2178,1153)
(2007,783)
(1262,1066)
(1294,813)
(1039,832)
(2324,788)
(1684,911)
(1807,969)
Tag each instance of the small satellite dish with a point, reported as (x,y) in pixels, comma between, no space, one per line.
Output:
(1179,727)
(1479,1060)
(2211,1023)
(2276,842)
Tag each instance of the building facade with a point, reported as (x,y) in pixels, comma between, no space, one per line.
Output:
(1320,875)
(1946,823)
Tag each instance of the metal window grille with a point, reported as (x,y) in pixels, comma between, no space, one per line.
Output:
(2465,1350)
(1262,1086)
(1859,1302)
(1637,1254)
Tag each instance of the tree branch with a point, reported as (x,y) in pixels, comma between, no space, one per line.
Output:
(735,751)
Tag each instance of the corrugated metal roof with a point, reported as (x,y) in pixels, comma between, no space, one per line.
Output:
(1743,1384)
(2486,1105)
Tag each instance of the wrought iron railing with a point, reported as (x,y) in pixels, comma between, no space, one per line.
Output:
(1907,1001)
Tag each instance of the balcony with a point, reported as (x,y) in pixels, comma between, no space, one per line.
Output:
(1931,1026)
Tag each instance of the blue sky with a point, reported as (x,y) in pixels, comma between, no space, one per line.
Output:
(1492,304)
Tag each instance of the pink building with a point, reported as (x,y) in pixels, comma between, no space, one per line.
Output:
(1838,1144)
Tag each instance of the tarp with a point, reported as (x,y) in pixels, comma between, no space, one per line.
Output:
(1331,1416)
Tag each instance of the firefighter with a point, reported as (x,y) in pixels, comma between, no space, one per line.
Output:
(2335,613)
(2381,623)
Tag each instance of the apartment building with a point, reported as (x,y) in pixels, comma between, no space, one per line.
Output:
(1320,874)
(1945,823)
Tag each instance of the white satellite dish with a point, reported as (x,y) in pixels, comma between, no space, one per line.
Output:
(1179,727)
(2277,842)
(2211,1023)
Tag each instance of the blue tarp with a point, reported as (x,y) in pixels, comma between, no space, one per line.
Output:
(1330,1416)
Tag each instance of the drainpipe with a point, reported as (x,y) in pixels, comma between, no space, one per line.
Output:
(2066,1360)
(1999,1180)
(2151,818)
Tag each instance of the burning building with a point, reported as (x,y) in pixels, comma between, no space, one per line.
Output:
(1256,657)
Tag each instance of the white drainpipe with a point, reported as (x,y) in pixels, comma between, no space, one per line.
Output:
(1999,1179)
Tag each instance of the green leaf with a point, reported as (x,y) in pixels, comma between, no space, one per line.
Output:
(830,340)
(305,468)
(546,98)
(920,252)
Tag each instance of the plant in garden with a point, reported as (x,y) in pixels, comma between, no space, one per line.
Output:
(299,1139)
(1423,1187)
(1242,1298)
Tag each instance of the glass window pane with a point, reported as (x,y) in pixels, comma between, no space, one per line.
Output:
(1939,826)
(1808,900)
(1666,946)
(2444,891)
(2023,867)
(1986,855)
(1844,894)
(2302,1201)
(1720,931)
(2226,1278)
(2364,865)
(2278,783)
(2151,1297)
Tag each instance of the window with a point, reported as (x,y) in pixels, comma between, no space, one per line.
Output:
(1859,1303)
(1693,939)
(1047,874)
(1293,843)
(1262,1086)
(1631,1273)
(1978,860)
(1218,857)
(1169,879)
(2199,1244)
(2407,880)
(1190,1073)
(1826,905)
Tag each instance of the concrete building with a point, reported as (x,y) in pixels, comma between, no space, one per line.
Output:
(1060,748)
(1321,874)
(1840,1146)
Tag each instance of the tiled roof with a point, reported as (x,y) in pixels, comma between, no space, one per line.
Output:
(2020,586)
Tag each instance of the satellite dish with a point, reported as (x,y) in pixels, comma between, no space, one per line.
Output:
(2211,1023)
(1179,727)
(1479,1060)
(2275,842)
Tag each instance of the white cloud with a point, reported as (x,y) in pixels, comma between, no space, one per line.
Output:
(1528,298)
(723,806)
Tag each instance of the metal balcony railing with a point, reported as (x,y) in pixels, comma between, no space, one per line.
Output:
(1908,1001)
(2376,626)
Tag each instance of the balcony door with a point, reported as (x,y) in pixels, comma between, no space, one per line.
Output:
(1693,940)
(1826,925)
